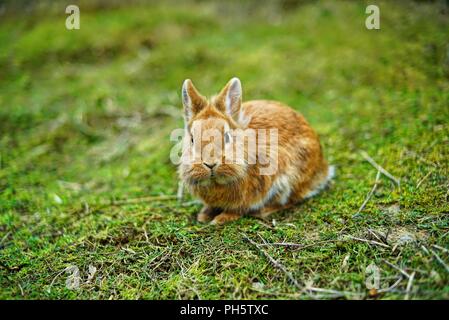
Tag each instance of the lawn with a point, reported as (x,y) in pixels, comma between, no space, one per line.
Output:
(87,189)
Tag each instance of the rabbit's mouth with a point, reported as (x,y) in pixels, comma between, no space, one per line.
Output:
(211,179)
(223,179)
(224,174)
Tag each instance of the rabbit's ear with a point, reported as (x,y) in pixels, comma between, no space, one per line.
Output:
(192,100)
(230,98)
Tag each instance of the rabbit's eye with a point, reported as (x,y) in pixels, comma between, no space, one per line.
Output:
(227,137)
(191,139)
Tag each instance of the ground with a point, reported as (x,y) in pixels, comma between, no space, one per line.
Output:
(85,122)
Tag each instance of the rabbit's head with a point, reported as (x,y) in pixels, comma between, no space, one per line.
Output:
(209,151)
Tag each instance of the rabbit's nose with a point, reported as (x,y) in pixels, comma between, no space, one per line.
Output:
(210,165)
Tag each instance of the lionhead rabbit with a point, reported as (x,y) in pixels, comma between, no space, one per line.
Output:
(293,167)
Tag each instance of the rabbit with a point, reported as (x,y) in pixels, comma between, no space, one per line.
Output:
(230,190)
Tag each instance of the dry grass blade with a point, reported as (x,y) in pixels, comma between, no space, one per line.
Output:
(265,224)
(139,200)
(54,279)
(378,235)
(392,287)
(21,290)
(333,292)
(423,179)
(439,260)
(370,194)
(397,268)
(409,286)
(4,237)
(379,168)
(421,158)
(296,245)
(369,241)
(425,249)
(274,262)
(440,248)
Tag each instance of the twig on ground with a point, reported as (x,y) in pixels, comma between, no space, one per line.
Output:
(264,223)
(392,287)
(379,168)
(336,293)
(369,241)
(297,245)
(139,200)
(439,260)
(374,234)
(261,238)
(397,268)
(379,236)
(370,194)
(441,248)
(54,279)
(409,286)
(275,263)
(283,244)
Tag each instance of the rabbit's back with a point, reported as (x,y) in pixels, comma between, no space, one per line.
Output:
(300,158)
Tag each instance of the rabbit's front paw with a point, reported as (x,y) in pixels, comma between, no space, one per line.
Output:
(224,217)
(207,214)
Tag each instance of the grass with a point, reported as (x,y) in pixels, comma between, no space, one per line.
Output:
(85,117)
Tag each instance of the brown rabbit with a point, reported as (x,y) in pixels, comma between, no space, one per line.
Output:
(230,189)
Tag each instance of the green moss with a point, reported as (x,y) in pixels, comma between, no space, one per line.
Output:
(85,117)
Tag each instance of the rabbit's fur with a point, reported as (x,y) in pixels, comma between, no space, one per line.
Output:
(230,190)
